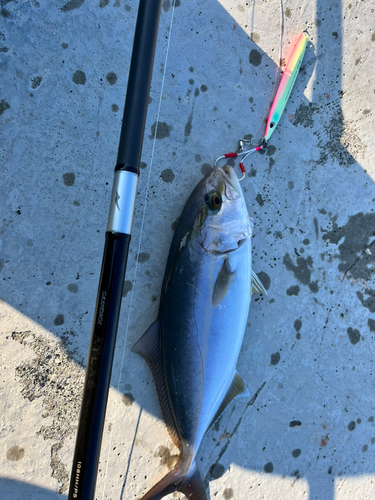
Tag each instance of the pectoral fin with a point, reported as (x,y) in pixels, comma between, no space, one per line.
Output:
(223,283)
(237,388)
(148,346)
(257,285)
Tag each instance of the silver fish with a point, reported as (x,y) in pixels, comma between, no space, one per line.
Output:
(193,346)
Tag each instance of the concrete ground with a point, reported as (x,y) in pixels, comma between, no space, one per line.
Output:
(308,431)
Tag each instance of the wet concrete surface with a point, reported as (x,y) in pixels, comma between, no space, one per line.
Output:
(307,430)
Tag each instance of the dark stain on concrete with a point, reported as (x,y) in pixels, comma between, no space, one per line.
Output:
(36,81)
(73,288)
(255,57)
(191,81)
(275,358)
(143,257)
(128,286)
(60,389)
(352,425)
(228,494)
(301,271)
(293,290)
(335,35)
(334,147)
(143,165)
(103,3)
(270,165)
(295,423)
(268,468)
(259,199)
(296,453)
(368,302)
(354,335)
(5,13)
(114,108)
(304,115)
(290,185)
(297,325)
(166,458)
(371,324)
(15,453)
(174,224)
(111,78)
(128,8)
(2,264)
(270,150)
(252,173)
(69,178)
(127,398)
(59,320)
(188,126)
(204,88)
(4,105)
(288,12)
(354,257)
(316,227)
(306,241)
(206,168)
(167,175)
(163,130)
(73,4)
(216,470)
(196,92)
(79,77)
(191,69)
(64,45)
(265,279)
(166,5)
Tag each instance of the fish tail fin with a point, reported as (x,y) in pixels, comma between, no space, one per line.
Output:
(190,484)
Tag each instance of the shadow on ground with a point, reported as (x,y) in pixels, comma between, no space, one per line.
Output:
(307,355)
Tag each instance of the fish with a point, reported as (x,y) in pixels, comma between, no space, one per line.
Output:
(193,346)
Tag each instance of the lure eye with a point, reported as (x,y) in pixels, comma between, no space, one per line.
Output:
(213,202)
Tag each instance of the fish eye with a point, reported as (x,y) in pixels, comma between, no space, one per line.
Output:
(213,202)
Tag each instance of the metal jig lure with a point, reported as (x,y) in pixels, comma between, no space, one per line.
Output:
(281,98)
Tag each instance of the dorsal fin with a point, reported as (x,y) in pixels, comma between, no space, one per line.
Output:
(236,388)
(148,346)
(257,285)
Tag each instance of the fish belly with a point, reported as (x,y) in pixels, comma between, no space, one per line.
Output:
(201,342)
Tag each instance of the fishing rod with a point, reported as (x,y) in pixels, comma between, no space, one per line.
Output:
(117,239)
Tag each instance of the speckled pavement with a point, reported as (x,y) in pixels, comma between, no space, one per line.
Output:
(308,430)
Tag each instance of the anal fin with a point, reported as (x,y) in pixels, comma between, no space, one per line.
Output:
(257,285)
(237,388)
(148,346)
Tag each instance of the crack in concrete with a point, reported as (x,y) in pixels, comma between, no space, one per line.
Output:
(239,421)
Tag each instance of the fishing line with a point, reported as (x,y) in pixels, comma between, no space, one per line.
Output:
(138,251)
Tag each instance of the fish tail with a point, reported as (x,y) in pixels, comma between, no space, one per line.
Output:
(190,484)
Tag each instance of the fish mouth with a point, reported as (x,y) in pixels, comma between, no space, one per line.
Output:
(230,177)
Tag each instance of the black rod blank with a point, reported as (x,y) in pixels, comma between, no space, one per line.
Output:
(108,302)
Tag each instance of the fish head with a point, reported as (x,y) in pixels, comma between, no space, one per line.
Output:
(222,224)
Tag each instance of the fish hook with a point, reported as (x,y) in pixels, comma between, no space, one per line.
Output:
(245,154)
